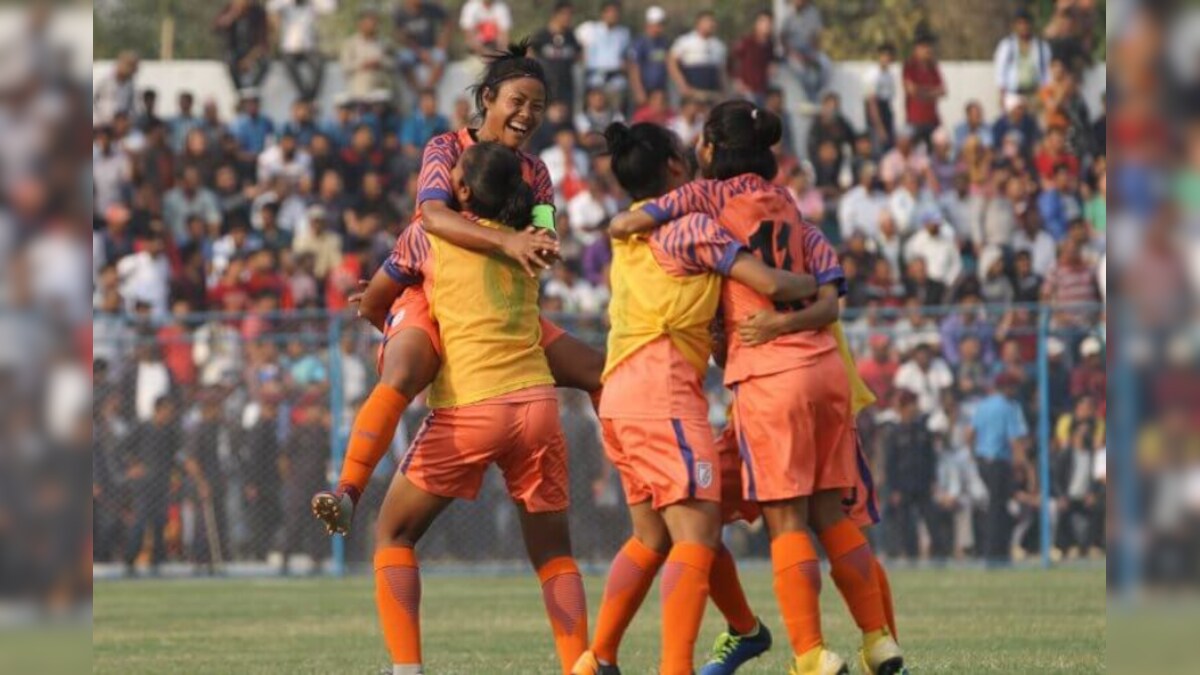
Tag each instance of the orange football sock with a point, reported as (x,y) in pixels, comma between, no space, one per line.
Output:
(684,596)
(798,589)
(885,590)
(398,597)
(853,572)
(725,589)
(629,580)
(371,435)
(566,605)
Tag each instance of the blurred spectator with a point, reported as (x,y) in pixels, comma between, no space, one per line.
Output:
(422,32)
(184,121)
(925,375)
(303,124)
(1058,204)
(303,466)
(145,275)
(567,166)
(688,123)
(1022,60)
(801,38)
(1016,118)
(1064,109)
(698,60)
(485,25)
(919,285)
(243,24)
(150,457)
(832,126)
(774,102)
(1095,210)
(590,210)
(971,319)
(297,26)
(324,245)
(1075,491)
(1071,281)
(655,110)
(598,112)
(202,445)
(973,125)
(116,93)
(189,199)
(879,87)
(340,127)
(558,50)
(910,465)
(575,293)
(1028,283)
(910,202)
(1000,436)
(943,167)
(362,156)
(995,288)
(907,156)
(754,58)
(923,87)
(366,61)
(994,213)
(807,197)
(112,171)
(251,128)
(425,123)
(955,205)
(1052,154)
(199,155)
(605,45)
(1090,377)
(889,244)
(878,368)
(859,209)
(259,457)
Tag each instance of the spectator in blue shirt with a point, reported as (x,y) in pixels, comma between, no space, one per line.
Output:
(973,125)
(1016,117)
(999,435)
(302,125)
(1058,203)
(971,321)
(422,126)
(251,128)
(340,128)
(648,57)
(183,123)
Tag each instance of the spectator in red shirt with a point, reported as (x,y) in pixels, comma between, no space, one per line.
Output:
(176,345)
(923,86)
(879,368)
(655,110)
(754,58)
(1053,153)
(1090,377)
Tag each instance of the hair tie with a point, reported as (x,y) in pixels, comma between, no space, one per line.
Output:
(754,114)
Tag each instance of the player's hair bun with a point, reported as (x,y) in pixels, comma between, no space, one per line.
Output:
(619,137)
(768,128)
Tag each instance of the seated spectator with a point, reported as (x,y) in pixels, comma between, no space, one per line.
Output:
(774,102)
(925,375)
(1021,59)
(567,166)
(303,124)
(919,286)
(422,31)
(233,200)
(827,169)
(1085,411)
(801,38)
(340,127)
(228,255)
(909,200)
(575,293)
(190,198)
(1052,154)
(1075,490)
(1071,281)
(1028,286)
(273,237)
(883,286)
(145,276)
(655,110)
(324,244)
(199,155)
(698,60)
(970,375)
(688,123)
(1090,376)
(284,160)
(372,201)
(888,242)
(252,130)
(978,163)
(915,327)
(995,288)
(905,157)
(994,213)
(421,126)
(878,368)
(970,320)
(1095,210)
(1016,118)
(754,58)
(972,126)
(943,166)
(808,198)
(859,208)
(1058,204)
(331,196)
(955,207)
(184,121)
(1012,361)
(598,112)
(879,91)
(935,244)
(830,125)
(485,25)
(361,157)
(590,210)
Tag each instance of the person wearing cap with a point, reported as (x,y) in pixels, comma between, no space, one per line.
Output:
(251,128)
(1000,436)
(1021,59)
(247,48)
(317,239)
(366,60)
(1016,118)
(605,47)
(1090,377)
(923,87)
(648,57)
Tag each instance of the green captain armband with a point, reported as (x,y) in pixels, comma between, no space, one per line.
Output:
(543,217)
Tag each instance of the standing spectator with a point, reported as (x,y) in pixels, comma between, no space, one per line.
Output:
(754,59)
(485,25)
(1022,60)
(117,93)
(148,469)
(558,50)
(832,126)
(1000,436)
(187,200)
(297,25)
(923,87)
(243,23)
(906,157)
(112,172)
(970,321)
(184,121)
(648,58)
(303,465)
(422,30)
(920,286)
(925,375)
(1071,281)
(260,470)
(911,467)
(202,461)
(994,285)
(605,45)
(879,367)
(421,126)
(973,125)
(1075,490)
(1016,118)
(879,90)
(366,61)
(567,166)
(1058,204)
(698,60)
(251,129)
(801,37)
(859,209)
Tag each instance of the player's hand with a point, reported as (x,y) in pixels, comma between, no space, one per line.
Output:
(533,248)
(760,328)
(360,289)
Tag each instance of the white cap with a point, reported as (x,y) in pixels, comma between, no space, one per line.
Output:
(655,14)
(1055,347)
(1012,101)
(1090,346)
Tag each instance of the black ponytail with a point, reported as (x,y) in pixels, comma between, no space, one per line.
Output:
(639,157)
(498,188)
(742,135)
(504,65)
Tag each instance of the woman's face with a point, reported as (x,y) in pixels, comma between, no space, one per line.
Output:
(704,156)
(514,112)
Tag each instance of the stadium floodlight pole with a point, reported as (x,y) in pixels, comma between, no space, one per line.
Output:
(1043,382)
(336,406)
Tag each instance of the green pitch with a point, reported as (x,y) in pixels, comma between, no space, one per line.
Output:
(951,621)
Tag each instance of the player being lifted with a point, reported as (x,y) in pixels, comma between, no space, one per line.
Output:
(492,401)
(793,418)
(654,414)
(510,98)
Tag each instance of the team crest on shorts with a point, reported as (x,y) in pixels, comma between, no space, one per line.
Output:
(704,474)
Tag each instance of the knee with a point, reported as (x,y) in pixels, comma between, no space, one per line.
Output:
(788,516)
(653,536)
(825,511)
(396,534)
(404,380)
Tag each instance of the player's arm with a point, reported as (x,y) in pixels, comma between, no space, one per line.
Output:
(768,325)
(378,297)
(531,248)
(778,285)
(695,197)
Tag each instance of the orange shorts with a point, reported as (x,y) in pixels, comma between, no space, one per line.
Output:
(861,502)
(666,461)
(519,432)
(795,432)
(411,310)
(734,506)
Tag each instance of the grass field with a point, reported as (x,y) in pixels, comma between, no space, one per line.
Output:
(951,621)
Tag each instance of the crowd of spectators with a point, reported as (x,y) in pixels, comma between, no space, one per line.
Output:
(224,240)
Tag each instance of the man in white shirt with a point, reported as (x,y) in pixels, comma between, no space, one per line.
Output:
(1042,250)
(117,92)
(859,208)
(605,46)
(698,60)
(297,27)
(935,243)
(926,376)
(284,159)
(485,24)
(187,200)
(365,59)
(589,211)
(566,164)
(879,90)
(112,171)
(145,276)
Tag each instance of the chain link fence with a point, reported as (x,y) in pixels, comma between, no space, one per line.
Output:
(211,433)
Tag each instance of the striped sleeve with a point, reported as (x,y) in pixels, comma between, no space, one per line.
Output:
(433,183)
(821,260)
(408,258)
(543,188)
(695,244)
(701,196)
